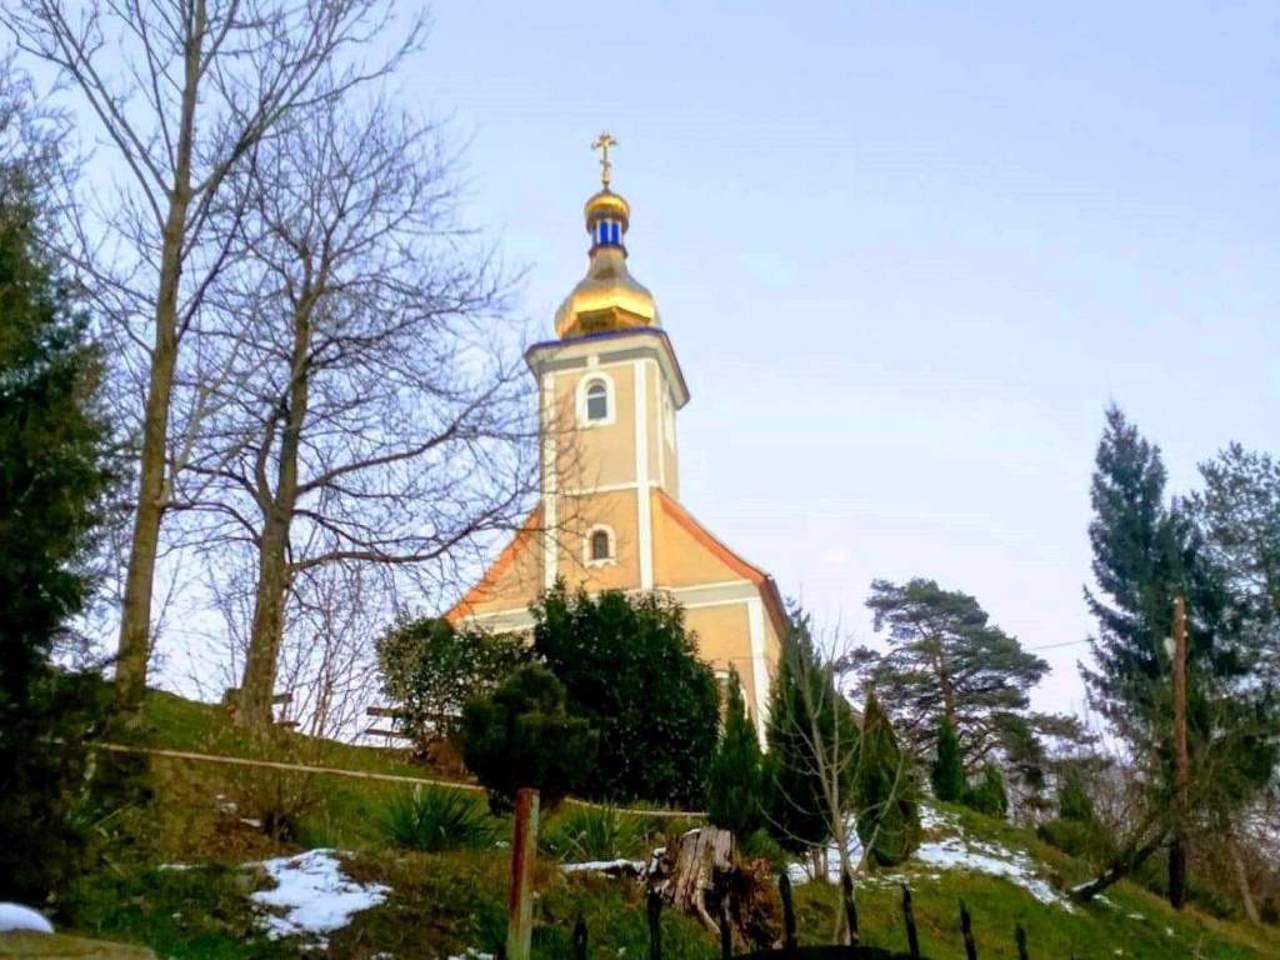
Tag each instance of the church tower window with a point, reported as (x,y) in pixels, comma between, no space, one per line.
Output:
(595,401)
(600,546)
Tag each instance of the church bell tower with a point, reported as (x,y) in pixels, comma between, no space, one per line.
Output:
(609,516)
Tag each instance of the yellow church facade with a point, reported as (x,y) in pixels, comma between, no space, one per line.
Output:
(610,515)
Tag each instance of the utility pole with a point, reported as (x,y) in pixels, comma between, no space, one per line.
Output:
(1181,759)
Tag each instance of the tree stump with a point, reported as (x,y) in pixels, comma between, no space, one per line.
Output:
(699,870)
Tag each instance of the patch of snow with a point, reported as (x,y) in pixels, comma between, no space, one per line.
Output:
(14,916)
(958,853)
(617,867)
(249,821)
(315,894)
(473,954)
(176,866)
(1136,916)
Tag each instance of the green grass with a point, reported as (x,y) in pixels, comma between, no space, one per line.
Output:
(445,902)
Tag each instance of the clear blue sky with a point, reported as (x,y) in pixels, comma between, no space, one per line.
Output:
(907,253)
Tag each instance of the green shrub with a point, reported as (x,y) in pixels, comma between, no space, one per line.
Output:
(762,846)
(435,819)
(431,669)
(594,833)
(988,795)
(522,736)
(631,669)
(1085,840)
(1074,802)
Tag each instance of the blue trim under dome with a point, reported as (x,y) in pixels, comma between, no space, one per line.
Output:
(608,233)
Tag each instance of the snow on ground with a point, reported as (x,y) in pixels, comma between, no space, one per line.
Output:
(952,852)
(620,867)
(315,895)
(14,916)
(979,856)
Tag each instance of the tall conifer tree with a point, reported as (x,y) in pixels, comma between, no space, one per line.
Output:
(734,784)
(53,476)
(884,791)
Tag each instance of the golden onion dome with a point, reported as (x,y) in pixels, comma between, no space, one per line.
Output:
(606,203)
(608,297)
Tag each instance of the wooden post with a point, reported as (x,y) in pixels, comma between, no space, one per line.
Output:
(580,939)
(850,908)
(788,914)
(1181,759)
(909,916)
(524,847)
(1020,936)
(654,911)
(966,928)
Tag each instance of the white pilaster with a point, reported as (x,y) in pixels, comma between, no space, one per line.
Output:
(550,536)
(644,500)
(759,667)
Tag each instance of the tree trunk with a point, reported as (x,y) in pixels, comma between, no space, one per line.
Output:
(699,872)
(1242,881)
(134,649)
(253,708)
(1181,761)
(267,630)
(1123,865)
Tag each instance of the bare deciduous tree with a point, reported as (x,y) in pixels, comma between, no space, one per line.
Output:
(374,412)
(183,92)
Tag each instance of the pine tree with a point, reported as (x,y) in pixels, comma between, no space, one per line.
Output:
(947,775)
(884,793)
(948,661)
(54,473)
(734,785)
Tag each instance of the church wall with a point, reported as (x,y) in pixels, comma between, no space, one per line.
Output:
(602,455)
(723,640)
(681,559)
(615,510)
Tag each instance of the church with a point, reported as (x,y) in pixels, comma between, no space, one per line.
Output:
(609,516)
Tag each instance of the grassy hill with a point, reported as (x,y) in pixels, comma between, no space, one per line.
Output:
(170,872)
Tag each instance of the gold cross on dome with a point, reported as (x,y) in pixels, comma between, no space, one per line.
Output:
(603,143)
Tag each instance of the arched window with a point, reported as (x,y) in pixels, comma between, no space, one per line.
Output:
(597,401)
(600,546)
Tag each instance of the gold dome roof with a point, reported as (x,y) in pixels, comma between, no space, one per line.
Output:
(608,297)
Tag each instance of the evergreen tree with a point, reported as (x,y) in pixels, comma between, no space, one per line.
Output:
(884,793)
(1146,552)
(632,670)
(1074,802)
(947,775)
(804,700)
(521,735)
(947,661)
(54,474)
(735,786)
